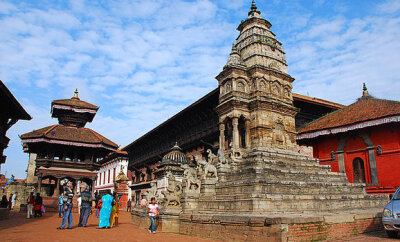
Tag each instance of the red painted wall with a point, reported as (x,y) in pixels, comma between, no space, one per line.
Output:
(388,164)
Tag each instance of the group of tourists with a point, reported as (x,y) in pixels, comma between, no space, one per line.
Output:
(107,208)
(34,203)
(65,205)
(10,203)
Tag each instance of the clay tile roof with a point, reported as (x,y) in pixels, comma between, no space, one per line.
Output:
(323,102)
(365,109)
(71,134)
(75,103)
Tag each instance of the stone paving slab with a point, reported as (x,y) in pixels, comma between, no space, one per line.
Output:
(19,228)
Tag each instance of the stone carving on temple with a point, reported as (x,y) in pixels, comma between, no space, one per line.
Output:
(152,192)
(206,169)
(191,183)
(172,195)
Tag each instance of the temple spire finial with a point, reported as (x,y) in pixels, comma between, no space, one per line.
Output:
(254,11)
(365,91)
(76,94)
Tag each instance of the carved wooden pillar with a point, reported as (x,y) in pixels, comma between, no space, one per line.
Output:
(39,183)
(58,187)
(247,126)
(222,136)
(235,134)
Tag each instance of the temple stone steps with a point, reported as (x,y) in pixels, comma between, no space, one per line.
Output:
(267,182)
(291,174)
(282,164)
(291,187)
(275,204)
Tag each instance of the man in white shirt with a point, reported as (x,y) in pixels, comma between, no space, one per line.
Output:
(13,200)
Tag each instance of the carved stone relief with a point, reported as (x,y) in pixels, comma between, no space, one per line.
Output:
(172,195)
(190,180)
(263,86)
(240,87)
(228,87)
(276,89)
(206,169)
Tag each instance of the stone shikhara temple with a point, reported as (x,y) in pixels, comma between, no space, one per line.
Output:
(239,174)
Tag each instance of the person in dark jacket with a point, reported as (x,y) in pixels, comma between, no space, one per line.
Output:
(86,207)
(68,205)
(4,202)
(38,205)
(10,201)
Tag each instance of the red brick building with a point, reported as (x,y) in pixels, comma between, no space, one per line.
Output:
(362,139)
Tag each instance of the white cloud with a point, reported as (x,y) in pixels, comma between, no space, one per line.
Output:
(143,61)
(390,6)
(6,8)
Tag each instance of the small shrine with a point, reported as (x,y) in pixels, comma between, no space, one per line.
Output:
(66,151)
(121,188)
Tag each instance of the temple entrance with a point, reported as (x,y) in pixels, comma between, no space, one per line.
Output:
(358,171)
(49,184)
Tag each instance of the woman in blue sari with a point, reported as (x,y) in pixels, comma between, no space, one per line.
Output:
(105,212)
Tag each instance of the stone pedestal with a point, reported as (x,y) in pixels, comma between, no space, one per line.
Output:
(168,221)
(122,190)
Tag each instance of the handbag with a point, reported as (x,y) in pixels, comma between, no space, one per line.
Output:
(43,210)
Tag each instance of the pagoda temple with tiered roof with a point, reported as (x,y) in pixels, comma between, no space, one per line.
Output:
(67,150)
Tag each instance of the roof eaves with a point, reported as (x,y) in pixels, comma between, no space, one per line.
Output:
(22,113)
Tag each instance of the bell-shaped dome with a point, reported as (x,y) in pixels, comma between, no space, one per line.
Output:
(175,155)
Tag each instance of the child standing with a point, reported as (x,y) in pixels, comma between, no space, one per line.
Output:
(153,211)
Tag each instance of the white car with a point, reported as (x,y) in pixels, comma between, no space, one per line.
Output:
(391,215)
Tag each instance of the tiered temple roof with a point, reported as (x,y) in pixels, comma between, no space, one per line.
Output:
(365,112)
(72,115)
(67,135)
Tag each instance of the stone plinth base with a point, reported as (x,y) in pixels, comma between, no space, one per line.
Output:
(267,228)
(168,221)
(4,213)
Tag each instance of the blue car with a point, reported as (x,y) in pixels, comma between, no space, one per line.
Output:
(391,215)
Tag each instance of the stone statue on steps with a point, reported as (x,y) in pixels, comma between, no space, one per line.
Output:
(152,192)
(208,170)
(222,161)
(212,159)
(192,183)
(172,195)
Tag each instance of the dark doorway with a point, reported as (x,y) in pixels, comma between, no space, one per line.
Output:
(358,171)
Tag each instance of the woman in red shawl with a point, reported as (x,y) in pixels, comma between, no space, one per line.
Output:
(38,205)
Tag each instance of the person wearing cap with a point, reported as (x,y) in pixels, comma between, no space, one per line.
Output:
(67,215)
(86,206)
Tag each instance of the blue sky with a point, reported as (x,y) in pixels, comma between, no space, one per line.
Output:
(143,61)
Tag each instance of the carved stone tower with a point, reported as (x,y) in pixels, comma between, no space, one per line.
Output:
(256,108)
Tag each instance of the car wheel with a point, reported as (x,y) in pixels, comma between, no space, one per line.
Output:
(391,234)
